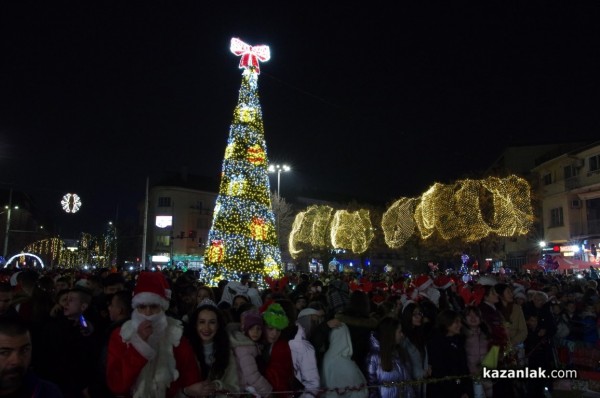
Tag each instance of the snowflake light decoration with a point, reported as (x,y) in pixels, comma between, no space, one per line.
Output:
(71,203)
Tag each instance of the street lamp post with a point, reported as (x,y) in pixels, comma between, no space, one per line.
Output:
(278,169)
(7,230)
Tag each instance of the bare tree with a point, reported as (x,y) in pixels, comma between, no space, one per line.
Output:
(284,218)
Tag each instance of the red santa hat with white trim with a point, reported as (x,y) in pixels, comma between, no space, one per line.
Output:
(151,288)
(443,282)
(422,282)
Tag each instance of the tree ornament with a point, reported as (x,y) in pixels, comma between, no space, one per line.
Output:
(250,54)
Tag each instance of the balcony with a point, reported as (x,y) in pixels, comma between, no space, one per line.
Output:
(572,183)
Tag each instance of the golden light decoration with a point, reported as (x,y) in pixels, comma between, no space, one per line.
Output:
(259,229)
(398,223)
(272,269)
(352,230)
(468,210)
(246,113)
(71,203)
(256,155)
(216,251)
(311,227)
(455,211)
(236,186)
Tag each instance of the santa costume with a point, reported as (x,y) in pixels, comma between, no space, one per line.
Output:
(159,367)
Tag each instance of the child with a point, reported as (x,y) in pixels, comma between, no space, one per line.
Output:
(246,349)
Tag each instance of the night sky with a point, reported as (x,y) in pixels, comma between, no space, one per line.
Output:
(376,101)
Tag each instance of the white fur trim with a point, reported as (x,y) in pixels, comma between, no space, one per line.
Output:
(142,347)
(149,298)
(158,374)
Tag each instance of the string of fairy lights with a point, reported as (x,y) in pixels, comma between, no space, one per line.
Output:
(469,210)
(92,250)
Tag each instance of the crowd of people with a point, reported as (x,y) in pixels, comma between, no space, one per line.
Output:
(67,333)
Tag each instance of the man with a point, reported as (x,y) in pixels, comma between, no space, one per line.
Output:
(16,378)
(69,346)
(148,356)
(6,309)
(119,310)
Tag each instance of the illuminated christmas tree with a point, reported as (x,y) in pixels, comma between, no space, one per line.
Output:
(242,238)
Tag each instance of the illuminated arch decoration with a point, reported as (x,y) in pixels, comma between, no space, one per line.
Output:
(71,203)
(26,255)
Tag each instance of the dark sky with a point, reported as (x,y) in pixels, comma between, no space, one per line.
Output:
(378,100)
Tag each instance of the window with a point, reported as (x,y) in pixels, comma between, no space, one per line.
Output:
(570,171)
(556,217)
(595,163)
(198,205)
(547,179)
(202,223)
(164,201)
(162,240)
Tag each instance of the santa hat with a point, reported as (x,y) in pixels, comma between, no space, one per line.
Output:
(151,288)
(423,282)
(443,282)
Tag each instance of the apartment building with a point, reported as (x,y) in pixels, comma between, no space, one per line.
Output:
(569,193)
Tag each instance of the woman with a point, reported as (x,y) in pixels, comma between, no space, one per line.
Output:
(477,344)
(448,358)
(357,316)
(415,345)
(339,371)
(515,325)
(303,353)
(385,362)
(208,336)
(245,345)
(498,334)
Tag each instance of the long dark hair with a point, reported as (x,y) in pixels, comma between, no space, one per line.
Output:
(220,345)
(386,333)
(445,319)
(505,309)
(483,326)
(416,335)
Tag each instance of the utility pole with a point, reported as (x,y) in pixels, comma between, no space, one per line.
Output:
(8,211)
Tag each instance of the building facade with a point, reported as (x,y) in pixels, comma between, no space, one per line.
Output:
(569,193)
(178,221)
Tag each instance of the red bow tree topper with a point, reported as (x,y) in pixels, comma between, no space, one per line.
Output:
(250,54)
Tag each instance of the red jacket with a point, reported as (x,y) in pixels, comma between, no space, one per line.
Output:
(280,369)
(124,364)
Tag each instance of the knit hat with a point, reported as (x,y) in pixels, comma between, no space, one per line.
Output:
(422,282)
(275,317)
(151,288)
(251,318)
(338,295)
